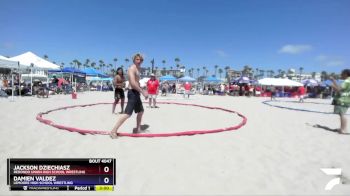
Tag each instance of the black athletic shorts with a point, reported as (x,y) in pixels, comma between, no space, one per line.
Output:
(119,93)
(134,102)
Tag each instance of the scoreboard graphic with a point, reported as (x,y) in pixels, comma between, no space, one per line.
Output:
(90,174)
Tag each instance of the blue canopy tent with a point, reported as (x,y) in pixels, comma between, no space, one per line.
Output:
(76,75)
(94,72)
(167,78)
(68,70)
(187,79)
(212,80)
(100,79)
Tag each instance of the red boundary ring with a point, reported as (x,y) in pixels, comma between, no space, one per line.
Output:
(40,118)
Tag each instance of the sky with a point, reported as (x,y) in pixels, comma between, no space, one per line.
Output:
(265,34)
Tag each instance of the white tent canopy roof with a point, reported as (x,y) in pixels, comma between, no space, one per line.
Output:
(3,57)
(279,82)
(8,64)
(28,58)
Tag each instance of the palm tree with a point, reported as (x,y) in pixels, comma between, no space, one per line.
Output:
(163,71)
(75,62)
(216,67)
(93,65)
(247,70)
(204,68)
(220,72)
(46,57)
(177,61)
(163,61)
(86,64)
(227,68)
(300,71)
(279,72)
(262,73)
(192,70)
(78,64)
(324,75)
(126,61)
(62,64)
(101,64)
(283,73)
(313,75)
(110,66)
(206,72)
(112,71)
(115,61)
(198,70)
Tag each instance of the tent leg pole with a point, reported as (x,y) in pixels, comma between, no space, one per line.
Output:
(13,85)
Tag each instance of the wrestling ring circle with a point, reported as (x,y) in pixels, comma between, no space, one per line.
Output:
(40,118)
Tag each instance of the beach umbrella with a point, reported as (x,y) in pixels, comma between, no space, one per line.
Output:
(187,79)
(167,78)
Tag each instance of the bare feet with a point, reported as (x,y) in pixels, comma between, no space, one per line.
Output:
(343,132)
(114,135)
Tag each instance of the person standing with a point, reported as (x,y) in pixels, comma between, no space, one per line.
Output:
(341,99)
(153,89)
(134,101)
(301,92)
(187,88)
(119,83)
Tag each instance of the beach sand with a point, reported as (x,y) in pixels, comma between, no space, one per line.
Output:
(278,151)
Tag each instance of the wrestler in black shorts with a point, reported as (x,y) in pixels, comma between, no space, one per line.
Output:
(119,93)
(134,102)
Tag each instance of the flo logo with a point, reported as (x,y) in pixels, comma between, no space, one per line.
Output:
(332,172)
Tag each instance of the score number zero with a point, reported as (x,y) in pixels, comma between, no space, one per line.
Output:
(105,169)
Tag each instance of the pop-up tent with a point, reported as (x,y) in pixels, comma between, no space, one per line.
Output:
(278,82)
(212,80)
(94,72)
(167,78)
(29,58)
(8,64)
(187,79)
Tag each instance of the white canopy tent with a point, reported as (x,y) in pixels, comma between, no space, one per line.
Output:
(278,82)
(12,65)
(32,61)
(8,64)
(29,58)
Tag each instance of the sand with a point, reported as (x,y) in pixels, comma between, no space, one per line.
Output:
(278,151)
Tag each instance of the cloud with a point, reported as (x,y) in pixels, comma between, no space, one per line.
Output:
(295,49)
(331,61)
(221,53)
